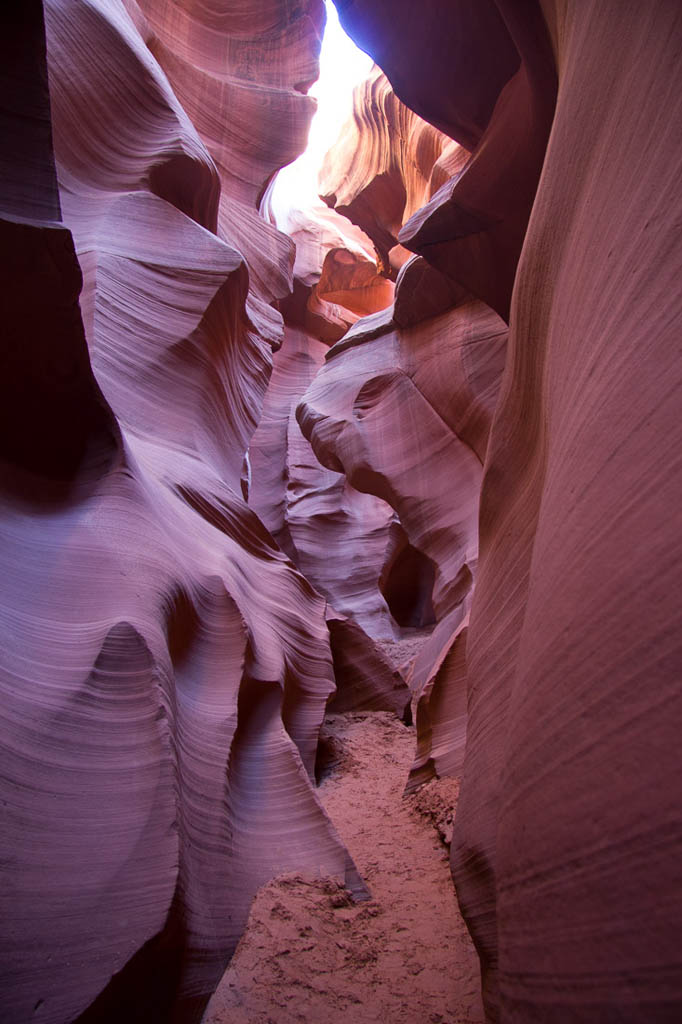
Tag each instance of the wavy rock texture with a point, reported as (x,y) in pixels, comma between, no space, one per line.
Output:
(490,85)
(240,72)
(365,678)
(568,838)
(385,166)
(336,279)
(405,413)
(337,536)
(405,401)
(438,677)
(341,539)
(164,667)
(382,411)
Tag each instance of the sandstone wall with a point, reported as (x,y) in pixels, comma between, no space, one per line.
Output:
(165,668)
(404,401)
(164,665)
(568,836)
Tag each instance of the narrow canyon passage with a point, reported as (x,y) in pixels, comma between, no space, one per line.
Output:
(278,467)
(309,955)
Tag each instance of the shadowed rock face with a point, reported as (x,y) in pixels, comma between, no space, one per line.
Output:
(164,667)
(489,82)
(568,838)
(405,413)
(383,410)
(337,536)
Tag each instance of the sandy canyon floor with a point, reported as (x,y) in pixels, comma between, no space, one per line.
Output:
(310,955)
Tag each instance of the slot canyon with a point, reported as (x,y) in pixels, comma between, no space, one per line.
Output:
(340,544)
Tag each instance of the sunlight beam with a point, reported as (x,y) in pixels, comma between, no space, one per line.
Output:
(342,67)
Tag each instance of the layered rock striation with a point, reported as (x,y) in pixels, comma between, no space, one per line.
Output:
(567,841)
(496,420)
(404,401)
(404,413)
(165,668)
(386,164)
(342,540)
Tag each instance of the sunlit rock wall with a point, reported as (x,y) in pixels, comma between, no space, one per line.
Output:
(404,401)
(164,668)
(386,164)
(568,839)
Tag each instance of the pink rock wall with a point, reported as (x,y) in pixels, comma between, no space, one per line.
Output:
(382,410)
(404,402)
(165,668)
(405,413)
(337,536)
(341,539)
(568,836)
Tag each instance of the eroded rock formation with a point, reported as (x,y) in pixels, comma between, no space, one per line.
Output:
(165,668)
(570,787)
(165,664)
(387,163)
(313,513)
(405,413)
(404,402)
(343,540)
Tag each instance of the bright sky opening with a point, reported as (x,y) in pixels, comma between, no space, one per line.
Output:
(342,67)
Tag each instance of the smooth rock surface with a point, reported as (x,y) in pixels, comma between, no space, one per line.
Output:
(164,665)
(405,415)
(165,668)
(568,838)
